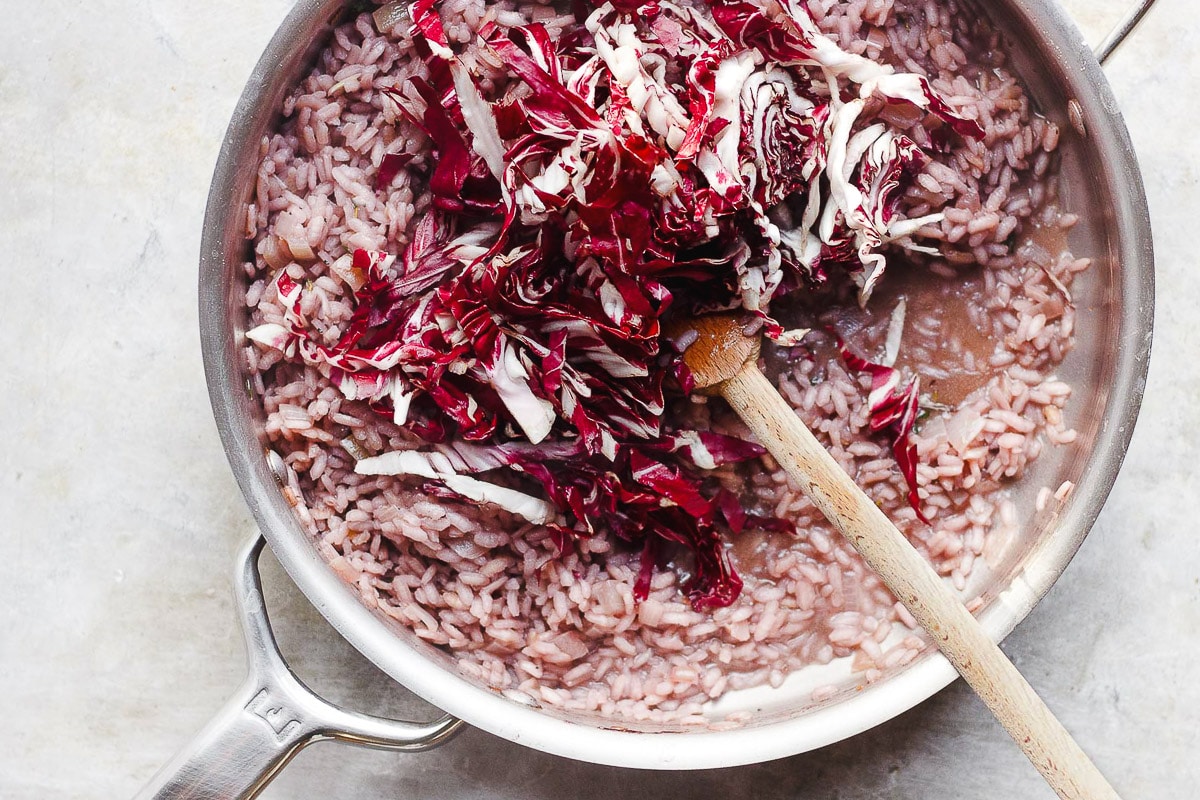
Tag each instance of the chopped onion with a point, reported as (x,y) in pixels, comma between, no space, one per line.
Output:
(389,16)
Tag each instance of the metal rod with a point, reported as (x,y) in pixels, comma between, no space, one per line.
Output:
(272,717)
(1122,30)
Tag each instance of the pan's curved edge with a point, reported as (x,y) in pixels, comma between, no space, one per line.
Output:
(221,328)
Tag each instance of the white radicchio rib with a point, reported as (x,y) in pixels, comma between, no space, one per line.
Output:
(446,464)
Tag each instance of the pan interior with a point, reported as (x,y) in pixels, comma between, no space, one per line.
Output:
(1099,182)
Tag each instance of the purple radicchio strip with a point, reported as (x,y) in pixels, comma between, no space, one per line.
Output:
(892,409)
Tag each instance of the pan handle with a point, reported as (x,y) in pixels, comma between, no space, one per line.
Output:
(271,717)
(1122,30)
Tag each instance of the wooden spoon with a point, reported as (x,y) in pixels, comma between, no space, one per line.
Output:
(724,362)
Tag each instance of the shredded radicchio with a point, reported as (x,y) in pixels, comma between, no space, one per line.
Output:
(655,159)
(892,408)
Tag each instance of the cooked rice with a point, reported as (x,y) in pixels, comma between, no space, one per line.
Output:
(986,325)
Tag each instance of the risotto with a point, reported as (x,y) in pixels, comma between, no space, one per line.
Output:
(973,316)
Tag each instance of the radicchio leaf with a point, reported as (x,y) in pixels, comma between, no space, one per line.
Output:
(892,409)
(390,167)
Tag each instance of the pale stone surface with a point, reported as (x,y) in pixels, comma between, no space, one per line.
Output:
(121,520)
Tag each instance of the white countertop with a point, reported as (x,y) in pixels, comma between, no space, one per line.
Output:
(121,520)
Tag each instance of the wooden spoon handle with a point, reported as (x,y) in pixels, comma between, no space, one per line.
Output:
(956,632)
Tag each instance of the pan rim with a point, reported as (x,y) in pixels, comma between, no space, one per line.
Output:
(490,711)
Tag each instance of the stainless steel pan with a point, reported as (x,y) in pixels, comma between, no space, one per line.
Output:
(274,715)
